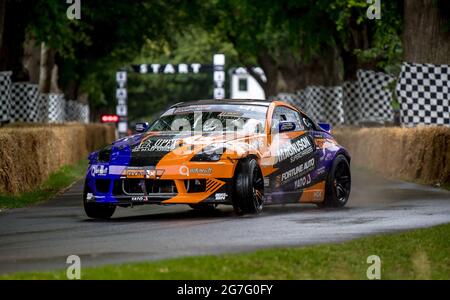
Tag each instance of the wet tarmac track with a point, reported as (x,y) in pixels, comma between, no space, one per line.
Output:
(41,237)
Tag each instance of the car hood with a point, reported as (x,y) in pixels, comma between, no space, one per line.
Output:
(149,148)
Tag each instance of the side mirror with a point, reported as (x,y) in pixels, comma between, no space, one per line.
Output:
(141,127)
(325,126)
(285,126)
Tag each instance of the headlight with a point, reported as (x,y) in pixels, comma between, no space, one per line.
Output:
(210,153)
(104,155)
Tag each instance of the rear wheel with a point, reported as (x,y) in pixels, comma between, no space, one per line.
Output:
(337,189)
(248,188)
(97,210)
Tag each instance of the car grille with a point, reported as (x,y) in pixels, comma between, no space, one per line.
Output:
(152,186)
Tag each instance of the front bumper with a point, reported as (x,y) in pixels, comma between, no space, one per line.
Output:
(186,184)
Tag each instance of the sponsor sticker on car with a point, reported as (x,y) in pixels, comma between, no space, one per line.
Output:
(139,199)
(143,173)
(135,173)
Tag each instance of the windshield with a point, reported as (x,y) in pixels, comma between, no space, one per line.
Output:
(216,117)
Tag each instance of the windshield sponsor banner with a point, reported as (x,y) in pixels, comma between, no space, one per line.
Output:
(159,145)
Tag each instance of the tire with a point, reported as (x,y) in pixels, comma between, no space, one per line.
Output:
(338,184)
(203,206)
(248,188)
(97,210)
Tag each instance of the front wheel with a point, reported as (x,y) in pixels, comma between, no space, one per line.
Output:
(97,210)
(337,188)
(248,188)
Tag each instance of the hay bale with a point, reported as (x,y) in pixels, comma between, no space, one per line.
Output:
(30,154)
(420,154)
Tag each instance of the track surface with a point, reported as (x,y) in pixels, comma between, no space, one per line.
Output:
(41,237)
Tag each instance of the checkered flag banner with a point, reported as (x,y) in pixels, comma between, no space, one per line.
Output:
(24,102)
(351,102)
(54,107)
(43,108)
(333,111)
(320,103)
(287,97)
(5,96)
(423,92)
(84,113)
(76,112)
(298,99)
(324,104)
(302,99)
(314,103)
(375,97)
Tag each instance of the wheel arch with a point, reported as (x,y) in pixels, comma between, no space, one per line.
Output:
(344,153)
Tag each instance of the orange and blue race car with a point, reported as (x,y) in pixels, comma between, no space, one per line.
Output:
(244,153)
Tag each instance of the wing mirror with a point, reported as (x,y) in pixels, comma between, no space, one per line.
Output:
(142,126)
(325,126)
(285,126)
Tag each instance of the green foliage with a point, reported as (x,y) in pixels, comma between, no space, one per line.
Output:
(299,28)
(382,37)
(111,34)
(50,25)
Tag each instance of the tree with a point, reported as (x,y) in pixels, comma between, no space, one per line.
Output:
(426,31)
(364,43)
(285,38)
(13,17)
(110,34)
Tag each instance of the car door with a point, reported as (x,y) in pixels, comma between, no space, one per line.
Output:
(293,156)
(325,148)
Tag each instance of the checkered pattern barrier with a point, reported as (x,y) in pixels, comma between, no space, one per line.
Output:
(351,103)
(302,99)
(22,102)
(76,112)
(24,105)
(299,99)
(423,92)
(313,105)
(54,107)
(375,97)
(5,95)
(333,111)
(320,103)
(289,98)
(324,104)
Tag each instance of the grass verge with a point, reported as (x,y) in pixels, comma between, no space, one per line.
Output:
(55,183)
(418,254)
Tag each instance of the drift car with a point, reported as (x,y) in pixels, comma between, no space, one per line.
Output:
(244,153)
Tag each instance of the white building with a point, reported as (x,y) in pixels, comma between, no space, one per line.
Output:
(244,86)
